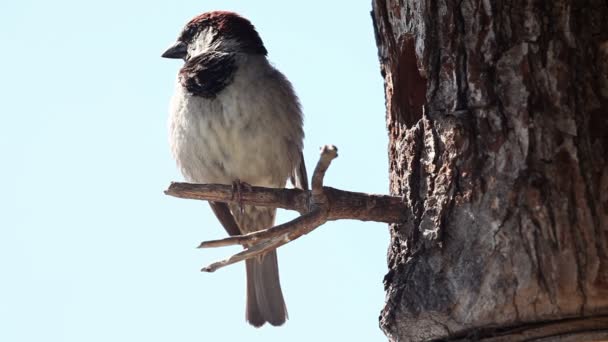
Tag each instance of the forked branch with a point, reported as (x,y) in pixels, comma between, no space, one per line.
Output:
(317,206)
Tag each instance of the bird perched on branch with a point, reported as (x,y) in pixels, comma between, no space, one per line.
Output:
(235,119)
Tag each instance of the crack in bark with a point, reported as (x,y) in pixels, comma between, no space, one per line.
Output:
(514,297)
(462,60)
(543,282)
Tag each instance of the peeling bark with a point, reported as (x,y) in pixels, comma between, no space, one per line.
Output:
(497,114)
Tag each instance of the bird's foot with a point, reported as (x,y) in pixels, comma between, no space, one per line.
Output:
(237,192)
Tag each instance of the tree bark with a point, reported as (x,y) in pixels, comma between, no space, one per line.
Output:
(497,113)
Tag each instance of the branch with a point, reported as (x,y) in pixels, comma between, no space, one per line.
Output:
(270,239)
(317,206)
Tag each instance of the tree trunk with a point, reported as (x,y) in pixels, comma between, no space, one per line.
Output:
(497,113)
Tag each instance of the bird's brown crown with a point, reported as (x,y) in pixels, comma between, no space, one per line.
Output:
(229,25)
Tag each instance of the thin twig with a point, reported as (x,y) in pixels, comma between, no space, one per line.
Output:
(306,221)
(328,153)
(250,252)
(290,199)
(273,240)
(344,205)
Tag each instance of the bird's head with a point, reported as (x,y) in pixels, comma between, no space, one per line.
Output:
(216,31)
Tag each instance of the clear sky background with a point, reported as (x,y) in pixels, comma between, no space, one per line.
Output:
(90,247)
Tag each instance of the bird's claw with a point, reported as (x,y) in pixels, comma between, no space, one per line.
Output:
(237,192)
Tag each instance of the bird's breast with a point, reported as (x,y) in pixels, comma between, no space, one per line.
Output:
(226,138)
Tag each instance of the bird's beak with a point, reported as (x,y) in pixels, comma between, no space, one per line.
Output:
(177,50)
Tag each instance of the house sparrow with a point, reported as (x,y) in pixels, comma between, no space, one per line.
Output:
(235,118)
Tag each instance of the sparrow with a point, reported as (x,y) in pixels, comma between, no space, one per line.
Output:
(235,119)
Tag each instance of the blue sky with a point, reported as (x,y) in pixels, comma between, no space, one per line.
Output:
(91,249)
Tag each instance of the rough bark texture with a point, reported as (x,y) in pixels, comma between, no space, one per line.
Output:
(497,113)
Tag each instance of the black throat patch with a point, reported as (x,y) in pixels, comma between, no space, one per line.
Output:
(208,74)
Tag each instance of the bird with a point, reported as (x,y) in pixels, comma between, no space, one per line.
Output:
(235,119)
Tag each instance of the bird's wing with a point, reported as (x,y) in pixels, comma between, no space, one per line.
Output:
(299,178)
(224,215)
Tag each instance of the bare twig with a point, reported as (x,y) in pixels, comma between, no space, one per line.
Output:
(328,153)
(250,252)
(269,239)
(291,199)
(344,205)
(304,222)
(317,206)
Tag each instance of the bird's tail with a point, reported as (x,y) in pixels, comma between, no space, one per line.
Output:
(265,301)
